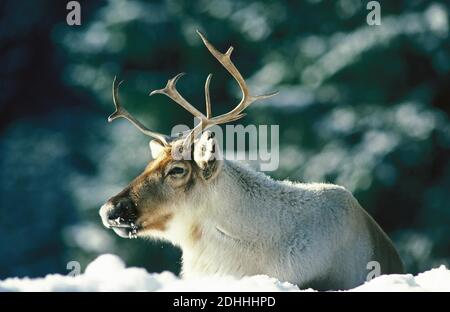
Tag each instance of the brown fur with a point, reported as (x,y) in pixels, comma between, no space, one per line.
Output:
(159,223)
(153,191)
(156,191)
(159,164)
(195,233)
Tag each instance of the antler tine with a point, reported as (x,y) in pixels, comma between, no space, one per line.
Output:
(192,134)
(207,97)
(247,99)
(170,90)
(122,112)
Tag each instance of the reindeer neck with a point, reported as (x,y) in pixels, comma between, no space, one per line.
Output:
(236,207)
(238,203)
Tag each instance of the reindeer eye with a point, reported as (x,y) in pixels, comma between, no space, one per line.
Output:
(179,171)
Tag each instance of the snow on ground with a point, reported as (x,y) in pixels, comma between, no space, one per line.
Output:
(109,273)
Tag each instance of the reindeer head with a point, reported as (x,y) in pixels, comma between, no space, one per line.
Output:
(182,167)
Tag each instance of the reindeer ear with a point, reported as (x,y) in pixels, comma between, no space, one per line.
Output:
(207,155)
(156,148)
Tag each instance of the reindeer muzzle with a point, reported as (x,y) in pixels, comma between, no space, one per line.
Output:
(120,216)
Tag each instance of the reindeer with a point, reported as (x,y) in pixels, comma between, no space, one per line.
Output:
(231,220)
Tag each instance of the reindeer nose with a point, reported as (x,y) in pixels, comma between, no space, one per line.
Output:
(118,212)
(121,209)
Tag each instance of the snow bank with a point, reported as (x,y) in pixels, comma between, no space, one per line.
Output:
(108,273)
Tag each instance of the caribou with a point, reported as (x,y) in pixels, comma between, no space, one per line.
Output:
(229,219)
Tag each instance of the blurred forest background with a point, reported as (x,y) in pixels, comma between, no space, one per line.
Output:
(363,106)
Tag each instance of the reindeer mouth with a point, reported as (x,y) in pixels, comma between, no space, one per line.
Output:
(123,229)
(121,218)
(126,230)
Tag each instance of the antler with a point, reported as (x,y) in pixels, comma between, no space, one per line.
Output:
(247,99)
(209,121)
(122,112)
(171,91)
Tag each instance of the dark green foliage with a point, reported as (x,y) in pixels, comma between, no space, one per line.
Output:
(364,107)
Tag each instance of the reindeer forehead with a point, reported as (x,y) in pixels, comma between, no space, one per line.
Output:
(160,163)
(165,157)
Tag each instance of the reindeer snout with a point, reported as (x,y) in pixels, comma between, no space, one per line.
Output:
(119,215)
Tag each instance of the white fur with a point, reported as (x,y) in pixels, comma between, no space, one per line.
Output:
(155,148)
(308,234)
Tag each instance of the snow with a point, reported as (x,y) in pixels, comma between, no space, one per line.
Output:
(109,273)
(434,280)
